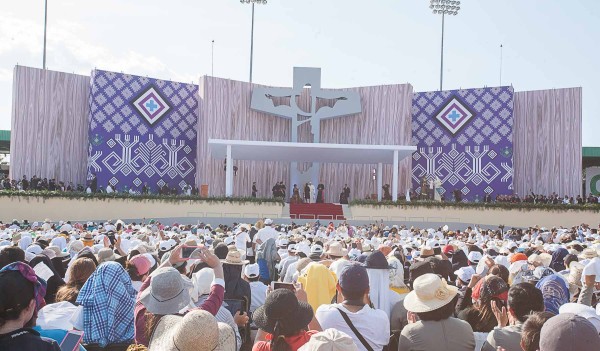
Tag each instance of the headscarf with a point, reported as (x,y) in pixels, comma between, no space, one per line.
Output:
(54,282)
(557,263)
(555,292)
(235,286)
(268,252)
(379,289)
(39,284)
(108,300)
(397,276)
(490,287)
(25,242)
(319,283)
(202,281)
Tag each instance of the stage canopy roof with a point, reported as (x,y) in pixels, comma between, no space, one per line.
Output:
(308,152)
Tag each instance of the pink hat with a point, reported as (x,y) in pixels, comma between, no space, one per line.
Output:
(141,263)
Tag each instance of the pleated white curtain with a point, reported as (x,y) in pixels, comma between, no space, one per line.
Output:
(547,142)
(49,127)
(224,113)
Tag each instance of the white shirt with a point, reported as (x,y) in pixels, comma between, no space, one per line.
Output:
(265,234)
(289,274)
(259,294)
(592,268)
(241,239)
(109,189)
(88,190)
(373,324)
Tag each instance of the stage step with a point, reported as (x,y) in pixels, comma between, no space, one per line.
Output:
(317,211)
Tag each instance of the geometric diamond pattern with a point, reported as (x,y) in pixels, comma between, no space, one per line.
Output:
(150,130)
(472,128)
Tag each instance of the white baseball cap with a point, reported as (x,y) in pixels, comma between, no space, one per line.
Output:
(251,270)
(474,256)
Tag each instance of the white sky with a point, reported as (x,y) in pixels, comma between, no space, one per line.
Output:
(547,43)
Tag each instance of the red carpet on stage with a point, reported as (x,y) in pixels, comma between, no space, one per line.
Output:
(317,211)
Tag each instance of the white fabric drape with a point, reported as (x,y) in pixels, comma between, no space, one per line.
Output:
(547,142)
(49,131)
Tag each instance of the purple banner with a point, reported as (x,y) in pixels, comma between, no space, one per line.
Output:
(464,140)
(142,130)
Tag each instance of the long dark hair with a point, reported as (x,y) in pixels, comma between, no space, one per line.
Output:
(278,342)
(16,293)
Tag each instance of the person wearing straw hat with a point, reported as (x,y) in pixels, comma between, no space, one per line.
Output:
(196,331)
(166,292)
(432,300)
(235,286)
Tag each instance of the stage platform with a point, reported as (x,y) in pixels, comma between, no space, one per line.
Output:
(320,211)
(36,208)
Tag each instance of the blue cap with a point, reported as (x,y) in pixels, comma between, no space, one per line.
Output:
(354,278)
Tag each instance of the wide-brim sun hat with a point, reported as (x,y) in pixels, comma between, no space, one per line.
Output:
(430,292)
(168,292)
(234,257)
(281,306)
(198,330)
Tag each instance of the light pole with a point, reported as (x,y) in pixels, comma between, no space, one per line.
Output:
(212,59)
(444,7)
(264,2)
(501,64)
(45,22)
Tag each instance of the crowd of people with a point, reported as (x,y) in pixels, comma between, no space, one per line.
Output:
(308,194)
(263,286)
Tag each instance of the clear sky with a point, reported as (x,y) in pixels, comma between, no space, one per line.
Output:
(547,43)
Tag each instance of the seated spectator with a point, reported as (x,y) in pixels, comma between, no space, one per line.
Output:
(329,340)
(380,294)
(166,292)
(530,333)
(523,300)
(319,283)
(18,310)
(432,300)
(197,330)
(202,281)
(54,281)
(283,322)
(11,254)
(569,332)
(481,316)
(106,306)
(555,292)
(257,288)
(235,286)
(79,272)
(354,312)
(138,268)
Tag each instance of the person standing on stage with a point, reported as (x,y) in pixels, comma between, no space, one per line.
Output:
(94,183)
(312,192)
(320,193)
(306,193)
(254,190)
(282,188)
(347,192)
